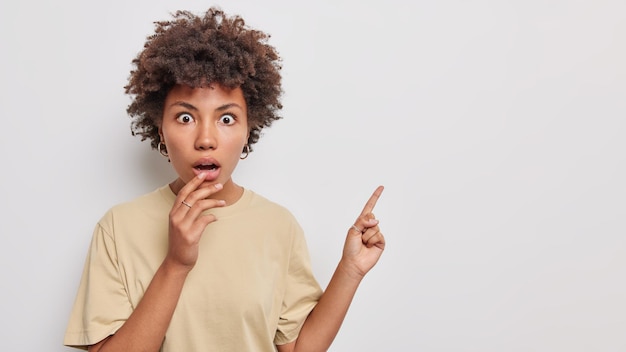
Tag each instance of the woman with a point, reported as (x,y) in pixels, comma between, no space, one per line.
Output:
(203,263)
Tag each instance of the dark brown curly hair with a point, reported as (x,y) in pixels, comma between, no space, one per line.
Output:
(197,51)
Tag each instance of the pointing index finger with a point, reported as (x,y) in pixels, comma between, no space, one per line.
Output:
(369,206)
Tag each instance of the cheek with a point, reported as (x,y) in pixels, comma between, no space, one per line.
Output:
(175,137)
(237,139)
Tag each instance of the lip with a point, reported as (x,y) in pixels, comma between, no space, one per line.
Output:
(211,175)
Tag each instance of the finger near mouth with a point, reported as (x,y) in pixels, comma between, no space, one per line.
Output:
(212,171)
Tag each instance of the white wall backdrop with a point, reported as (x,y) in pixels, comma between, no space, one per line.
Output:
(497,128)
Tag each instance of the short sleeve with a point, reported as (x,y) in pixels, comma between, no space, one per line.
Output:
(101,306)
(301,294)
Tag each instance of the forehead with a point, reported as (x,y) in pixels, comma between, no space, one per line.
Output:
(210,96)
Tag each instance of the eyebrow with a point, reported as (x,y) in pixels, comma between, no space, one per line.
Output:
(228,106)
(219,108)
(185,105)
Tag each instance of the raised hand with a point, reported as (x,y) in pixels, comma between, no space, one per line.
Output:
(364,241)
(186,221)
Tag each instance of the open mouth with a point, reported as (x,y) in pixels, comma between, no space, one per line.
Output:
(206,167)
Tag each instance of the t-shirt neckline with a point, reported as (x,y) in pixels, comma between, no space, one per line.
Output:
(245,198)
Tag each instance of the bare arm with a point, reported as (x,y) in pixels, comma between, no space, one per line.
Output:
(146,326)
(363,247)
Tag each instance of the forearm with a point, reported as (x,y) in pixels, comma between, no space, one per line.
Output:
(145,328)
(321,326)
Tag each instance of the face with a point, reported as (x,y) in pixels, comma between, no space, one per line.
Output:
(205,130)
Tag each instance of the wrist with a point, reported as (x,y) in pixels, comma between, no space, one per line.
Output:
(174,268)
(350,270)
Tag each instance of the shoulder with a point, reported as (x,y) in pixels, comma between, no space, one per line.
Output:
(151,204)
(259,201)
(268,214)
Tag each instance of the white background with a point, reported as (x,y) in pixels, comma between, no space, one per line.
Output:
(497,128)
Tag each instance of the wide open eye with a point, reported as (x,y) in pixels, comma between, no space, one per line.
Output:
(227,119)
(184,118)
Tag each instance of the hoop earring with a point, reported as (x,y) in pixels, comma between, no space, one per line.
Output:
(162,149)
(246,152)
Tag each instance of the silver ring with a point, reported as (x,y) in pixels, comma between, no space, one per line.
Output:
(187,204)
(356,229)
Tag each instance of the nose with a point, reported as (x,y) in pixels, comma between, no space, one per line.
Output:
(205,137)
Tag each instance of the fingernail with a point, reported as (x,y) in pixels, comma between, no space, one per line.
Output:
(221,202)
(201,175)
(218,186)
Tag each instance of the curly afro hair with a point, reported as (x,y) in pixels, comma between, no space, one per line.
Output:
(197,51)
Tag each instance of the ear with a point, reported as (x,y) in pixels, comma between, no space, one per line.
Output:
(161,138)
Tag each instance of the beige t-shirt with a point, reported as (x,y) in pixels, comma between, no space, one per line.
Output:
(252,286)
